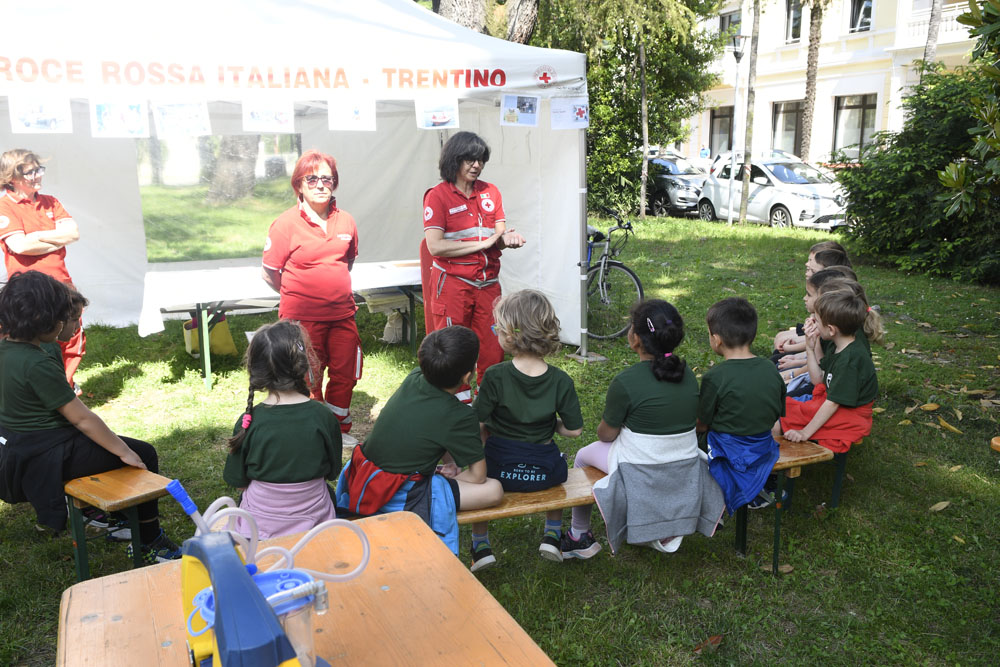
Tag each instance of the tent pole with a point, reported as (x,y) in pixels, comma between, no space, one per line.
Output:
(583,243)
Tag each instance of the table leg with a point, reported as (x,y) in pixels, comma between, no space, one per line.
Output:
(133,523)
(203,344)
(778,509)
(741,530)
(79,536)
(838,480)
(413,322)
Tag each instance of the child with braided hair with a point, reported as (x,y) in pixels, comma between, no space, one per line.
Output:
(286,447)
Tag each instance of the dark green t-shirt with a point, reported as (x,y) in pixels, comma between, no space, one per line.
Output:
(742,396)
(523,408)
(638,400)
(418,425)
(32,388)
(286,444)
(828,346)
(849,375)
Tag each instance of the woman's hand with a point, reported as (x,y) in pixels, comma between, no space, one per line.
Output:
(511,239)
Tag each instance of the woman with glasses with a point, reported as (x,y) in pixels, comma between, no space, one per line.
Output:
(308,255)
(465,231)
(35,230)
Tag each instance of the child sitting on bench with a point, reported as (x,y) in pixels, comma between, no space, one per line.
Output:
(521,404)
(422,424)
(284,448)
(48,435)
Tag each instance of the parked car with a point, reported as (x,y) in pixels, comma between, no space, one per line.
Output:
(674,185)
(784,192)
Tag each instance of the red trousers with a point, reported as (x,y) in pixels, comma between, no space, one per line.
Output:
(844,427)
(337,348)
(457,302)
(72,353)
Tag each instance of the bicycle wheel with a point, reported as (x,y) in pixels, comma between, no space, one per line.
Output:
(609,300)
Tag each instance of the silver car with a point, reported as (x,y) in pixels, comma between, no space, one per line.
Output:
(784,192)
(675,185)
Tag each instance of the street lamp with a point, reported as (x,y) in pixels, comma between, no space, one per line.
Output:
(739,42)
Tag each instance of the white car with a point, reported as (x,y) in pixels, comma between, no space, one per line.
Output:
(784,192)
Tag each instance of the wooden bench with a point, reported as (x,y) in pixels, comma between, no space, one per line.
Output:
(576,490)
(792,458)
(995,443)
(119,490)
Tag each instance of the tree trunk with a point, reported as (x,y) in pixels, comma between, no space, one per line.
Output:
(234,170)
(748,144)
(812,66)
(206,156)
(521,17)
(645,129)
(468,13)
(156,160)
(933,24)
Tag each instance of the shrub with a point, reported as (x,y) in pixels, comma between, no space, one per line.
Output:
(894,194)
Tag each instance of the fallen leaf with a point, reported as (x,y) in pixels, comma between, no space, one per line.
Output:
(948,426)
(889,346)
(786,569)
(977,392)
(900,365)
(937,507)
(955,468)
(850,478)
(878,411)
(926,325)
(920,464)
(961,335)
(958,413)
(900,303)
(958,539)
(932,425)
(910,409)
(929,407)
(905,422)
(709,645)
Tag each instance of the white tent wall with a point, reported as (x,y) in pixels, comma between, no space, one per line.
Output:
(96,181)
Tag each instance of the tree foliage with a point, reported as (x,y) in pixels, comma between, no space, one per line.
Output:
(678,53)
(894,193)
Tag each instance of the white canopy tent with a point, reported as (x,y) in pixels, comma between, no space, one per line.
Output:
(315,54)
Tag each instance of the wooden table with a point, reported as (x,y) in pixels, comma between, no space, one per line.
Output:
(414,604)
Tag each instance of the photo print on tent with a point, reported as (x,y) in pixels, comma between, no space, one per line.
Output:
(110,119)
(31,115)
(186,119)
(352,114)
(268,116)
(570,113)
(520,110)
(436,114)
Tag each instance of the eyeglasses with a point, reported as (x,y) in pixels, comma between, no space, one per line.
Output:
(37,172)
(313,180)
(471,161)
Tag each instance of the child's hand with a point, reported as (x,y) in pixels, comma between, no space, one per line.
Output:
(132,459)
(795,436)
(789,361)
(449,470)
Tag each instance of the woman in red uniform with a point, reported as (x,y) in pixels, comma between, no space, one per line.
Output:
(308,255)
(35,230)
(465,230)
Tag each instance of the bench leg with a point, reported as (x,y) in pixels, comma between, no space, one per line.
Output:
(79,535)
(133,523)
(778,509)
(790,488)
(741,530)
(838,480)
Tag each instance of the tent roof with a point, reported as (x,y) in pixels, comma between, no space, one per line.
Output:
(386,49)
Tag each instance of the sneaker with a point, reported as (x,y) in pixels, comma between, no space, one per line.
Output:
(160,550)
(765,499)
(482,557)
(95,518)
(667,545)
(45,530)
(551,548)
(118,530)
(584,548)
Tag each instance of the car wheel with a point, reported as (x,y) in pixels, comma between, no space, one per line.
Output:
(780,217)
(706,211)
(661,206)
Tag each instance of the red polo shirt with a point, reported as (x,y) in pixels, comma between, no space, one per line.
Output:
(464,218)
(32,215)
(315,282)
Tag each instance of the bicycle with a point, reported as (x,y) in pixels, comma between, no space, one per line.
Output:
(612,287)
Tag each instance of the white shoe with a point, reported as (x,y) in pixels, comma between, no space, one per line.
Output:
(666,545)
(348,440)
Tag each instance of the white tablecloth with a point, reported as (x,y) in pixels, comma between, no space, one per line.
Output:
(179,286)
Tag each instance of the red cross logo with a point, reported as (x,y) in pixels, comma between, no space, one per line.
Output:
(545,78)
(581,113)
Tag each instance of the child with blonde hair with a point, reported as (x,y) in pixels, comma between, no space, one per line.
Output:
(521,404)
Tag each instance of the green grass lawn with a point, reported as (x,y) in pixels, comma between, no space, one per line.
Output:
(181,225)
(880,580)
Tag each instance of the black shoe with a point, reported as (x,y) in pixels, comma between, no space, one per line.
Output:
(765,499)
(584,548)
(159,550)
(550,548)
(482,557)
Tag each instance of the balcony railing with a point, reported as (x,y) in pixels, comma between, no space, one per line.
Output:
(951,31)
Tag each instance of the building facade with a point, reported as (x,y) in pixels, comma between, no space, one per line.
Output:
(866,64)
